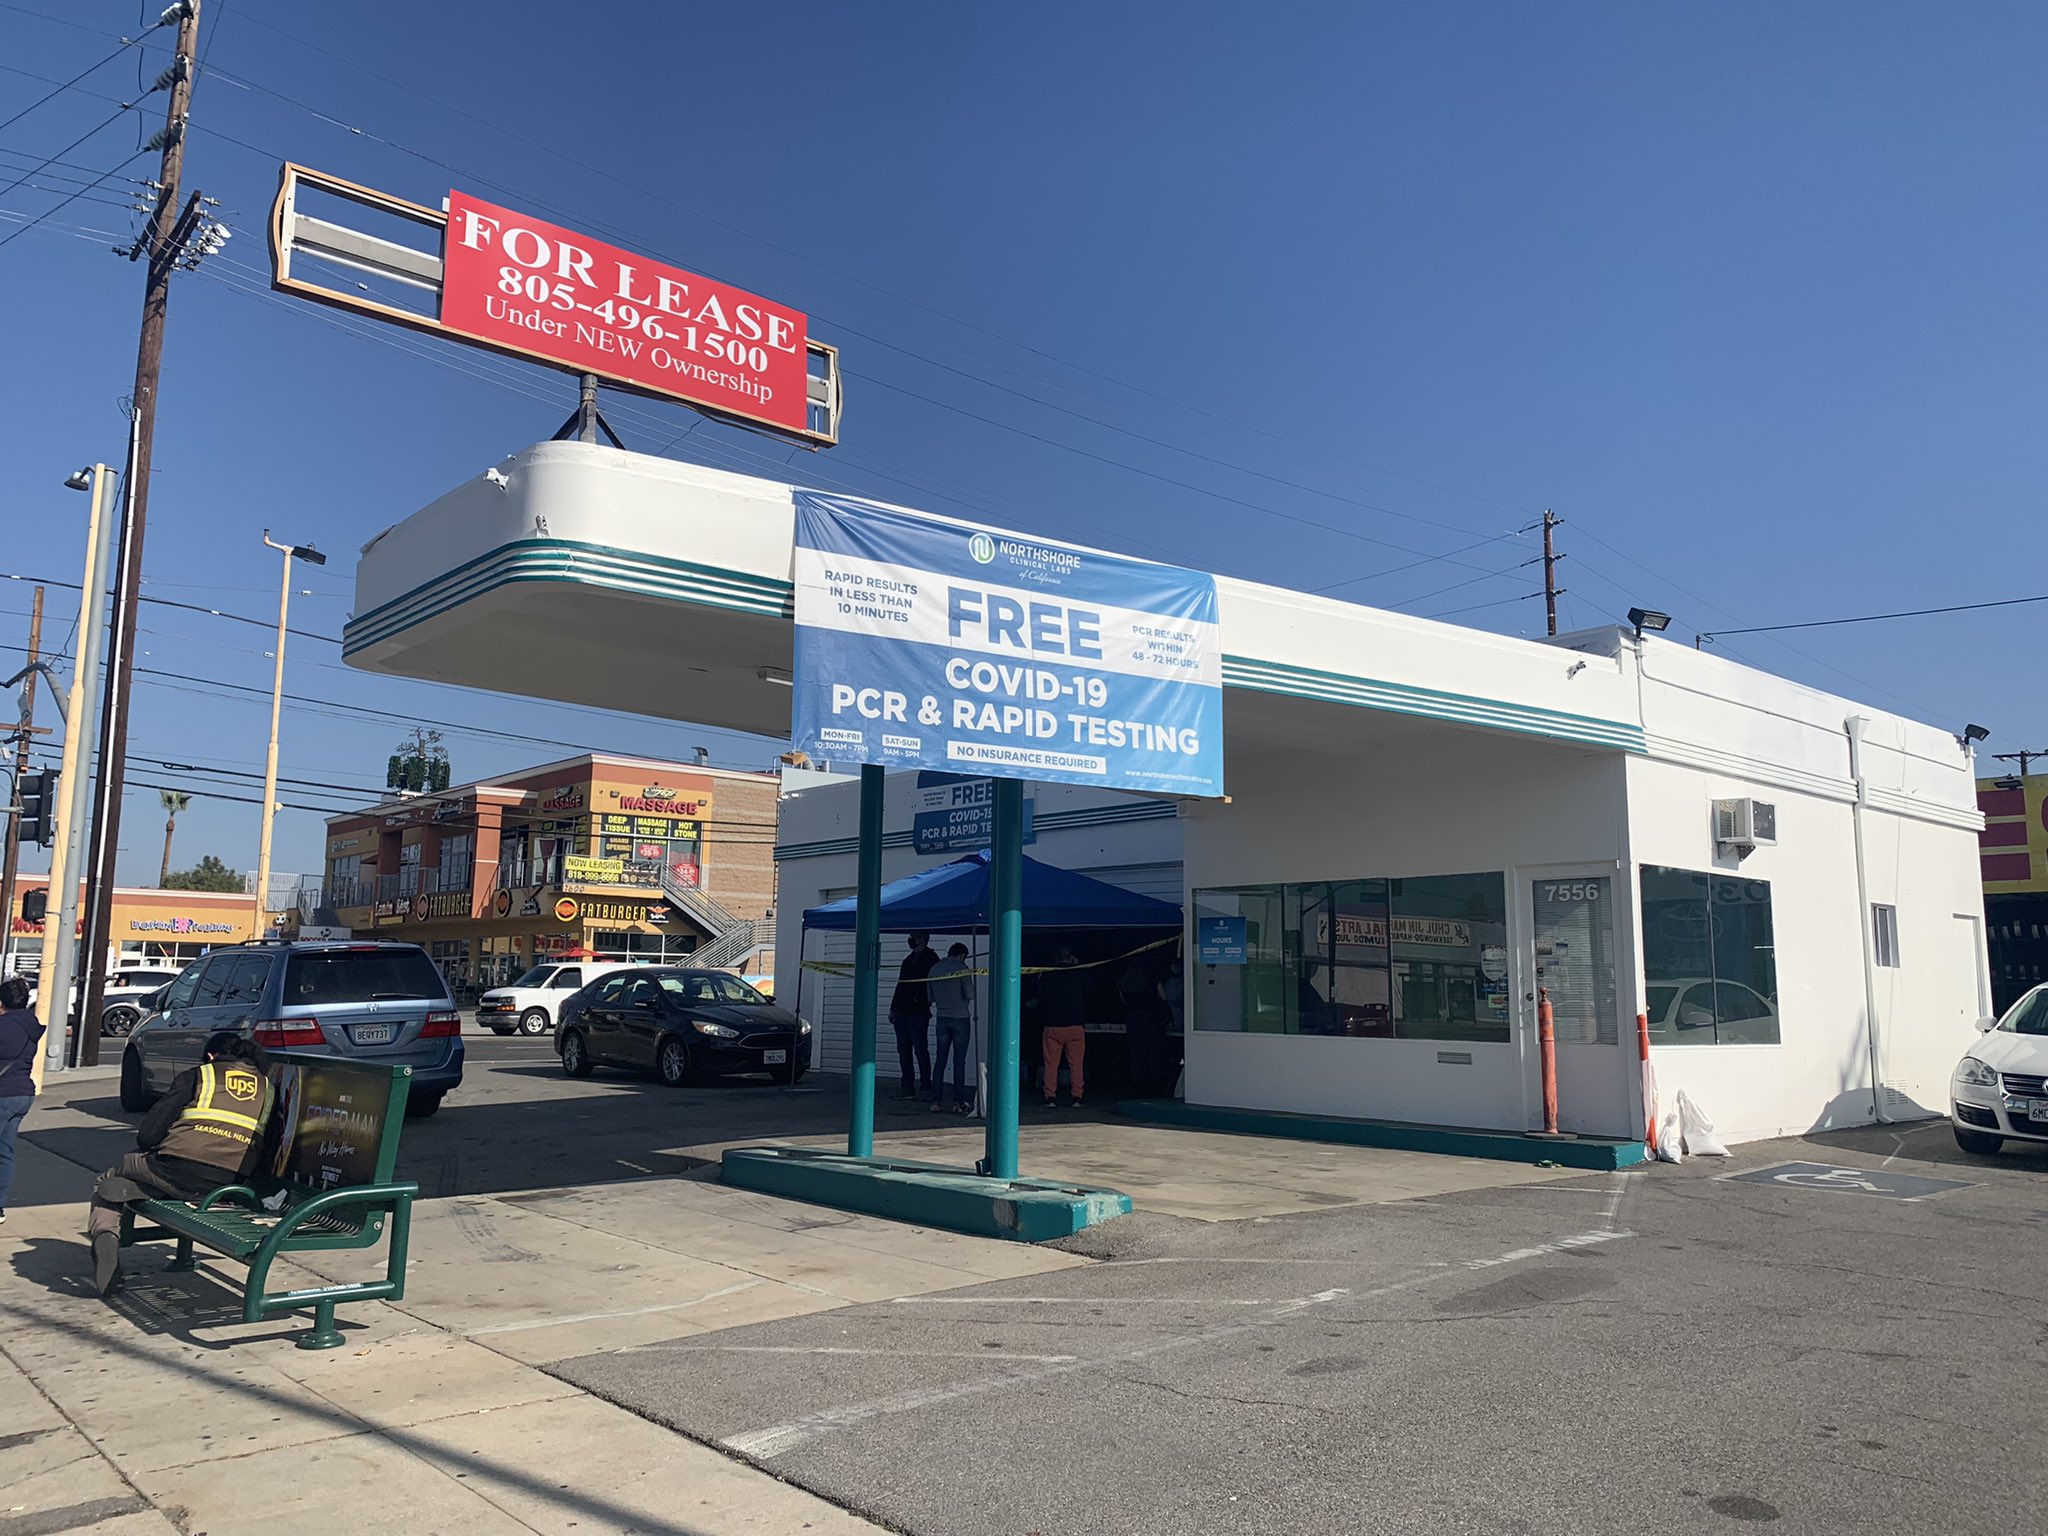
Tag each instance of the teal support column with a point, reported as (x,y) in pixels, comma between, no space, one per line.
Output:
(1006,950)
(867,964)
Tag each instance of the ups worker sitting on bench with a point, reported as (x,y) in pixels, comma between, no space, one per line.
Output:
(206,1132)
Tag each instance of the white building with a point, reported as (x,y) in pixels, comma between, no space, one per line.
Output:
(1425,822)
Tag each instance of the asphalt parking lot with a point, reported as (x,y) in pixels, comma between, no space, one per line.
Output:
(1662,1350)
(1773,1340)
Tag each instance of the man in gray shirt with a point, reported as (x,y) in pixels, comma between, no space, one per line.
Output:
(952,990)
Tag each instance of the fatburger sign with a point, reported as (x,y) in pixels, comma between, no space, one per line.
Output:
(521,283)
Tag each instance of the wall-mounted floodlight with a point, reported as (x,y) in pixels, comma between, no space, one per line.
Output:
(1972,734)
(1648,621)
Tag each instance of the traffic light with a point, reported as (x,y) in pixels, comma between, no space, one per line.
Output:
(39,806)
(35,906)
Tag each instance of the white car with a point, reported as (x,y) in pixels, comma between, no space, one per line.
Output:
(128,993)
(1737,1014)
(530,1005)
(2000,1089)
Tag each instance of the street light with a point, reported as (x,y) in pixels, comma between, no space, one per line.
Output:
(311,556)
(79,705)
(1648,621)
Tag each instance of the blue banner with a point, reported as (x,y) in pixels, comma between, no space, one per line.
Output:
(929,644)
(952,813)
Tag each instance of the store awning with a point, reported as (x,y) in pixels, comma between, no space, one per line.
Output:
(954,898)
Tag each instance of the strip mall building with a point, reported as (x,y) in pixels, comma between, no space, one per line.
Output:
(148,924)
(621,857)
(1426,824)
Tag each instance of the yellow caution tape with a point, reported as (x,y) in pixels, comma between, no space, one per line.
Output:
(845,968)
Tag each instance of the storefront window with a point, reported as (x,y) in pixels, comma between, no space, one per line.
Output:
(1710,964)
(1421,959)
(458,858)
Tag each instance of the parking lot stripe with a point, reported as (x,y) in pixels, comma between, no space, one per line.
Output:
(778,1439)
(593,1317)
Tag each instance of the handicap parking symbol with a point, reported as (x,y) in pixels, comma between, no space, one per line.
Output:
(1854,1181)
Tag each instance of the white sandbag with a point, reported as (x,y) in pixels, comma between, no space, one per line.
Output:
(1700,1140)
(1670,1139)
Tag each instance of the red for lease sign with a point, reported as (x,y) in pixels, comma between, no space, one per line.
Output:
(520,282)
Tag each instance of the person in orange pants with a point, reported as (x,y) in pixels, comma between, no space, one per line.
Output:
(1062,996)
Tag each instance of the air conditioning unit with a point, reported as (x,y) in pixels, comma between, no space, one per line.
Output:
(1745,823)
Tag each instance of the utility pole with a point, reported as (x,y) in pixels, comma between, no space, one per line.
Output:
(2022,758)
(10,862)
(1551,590)
(162,245)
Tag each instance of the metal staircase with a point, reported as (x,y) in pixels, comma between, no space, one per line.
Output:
(732,938)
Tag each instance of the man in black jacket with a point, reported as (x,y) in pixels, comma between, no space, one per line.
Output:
(910,1014)
(206,1132)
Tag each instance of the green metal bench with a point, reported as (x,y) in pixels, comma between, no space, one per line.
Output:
(334,1151)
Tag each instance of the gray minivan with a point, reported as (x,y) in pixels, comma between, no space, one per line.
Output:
(377,1001)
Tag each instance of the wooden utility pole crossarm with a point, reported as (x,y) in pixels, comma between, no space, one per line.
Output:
(160,247)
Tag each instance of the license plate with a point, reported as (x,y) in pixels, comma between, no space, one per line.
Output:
(373,1034)
(777,1058)
(2038,1110)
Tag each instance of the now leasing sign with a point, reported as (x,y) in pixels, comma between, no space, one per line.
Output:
(929,644)
(521,283)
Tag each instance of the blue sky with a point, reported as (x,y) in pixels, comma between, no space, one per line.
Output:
(1750,294)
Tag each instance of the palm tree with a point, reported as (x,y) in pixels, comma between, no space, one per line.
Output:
(173,802)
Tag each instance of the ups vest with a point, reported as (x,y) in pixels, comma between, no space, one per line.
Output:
(224,1120)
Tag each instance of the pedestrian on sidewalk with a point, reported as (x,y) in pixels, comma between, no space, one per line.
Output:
(952,990)
(910,1015)
(206,1132)
(21,1035)
(1063,994)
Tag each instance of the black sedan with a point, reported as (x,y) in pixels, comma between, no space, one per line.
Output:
(681,1025)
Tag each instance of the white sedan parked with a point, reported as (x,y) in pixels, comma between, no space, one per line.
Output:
(2000,1089)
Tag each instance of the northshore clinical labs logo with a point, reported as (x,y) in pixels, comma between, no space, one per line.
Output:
(982,547)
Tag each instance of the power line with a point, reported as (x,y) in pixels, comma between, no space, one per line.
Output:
(171,602)
(126,106)
(1869,618)
(810,258)
(1001,425)
(126,44)
(57,207)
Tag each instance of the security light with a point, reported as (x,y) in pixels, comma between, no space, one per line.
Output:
(777,676)
(309,554)
(1648,621)
(78,480)
(1976,733)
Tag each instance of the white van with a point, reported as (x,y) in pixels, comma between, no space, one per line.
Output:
(530,1004)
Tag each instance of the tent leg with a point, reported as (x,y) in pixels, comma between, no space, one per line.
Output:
(867,964)
(1006,944)
(817,1039)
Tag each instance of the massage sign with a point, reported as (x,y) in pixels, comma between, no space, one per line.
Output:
(931,644)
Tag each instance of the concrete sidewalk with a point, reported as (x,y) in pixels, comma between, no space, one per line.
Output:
(434,1416)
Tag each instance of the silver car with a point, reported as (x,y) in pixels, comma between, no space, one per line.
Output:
(380,1002)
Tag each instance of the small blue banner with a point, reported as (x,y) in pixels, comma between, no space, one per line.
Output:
(1220,940)
(930,644)
(953,813)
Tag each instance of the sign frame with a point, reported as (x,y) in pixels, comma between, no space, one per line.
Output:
(293,232)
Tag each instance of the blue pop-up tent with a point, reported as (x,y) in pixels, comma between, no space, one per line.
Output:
(954,898)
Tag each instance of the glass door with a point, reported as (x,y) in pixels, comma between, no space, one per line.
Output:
(1572,926)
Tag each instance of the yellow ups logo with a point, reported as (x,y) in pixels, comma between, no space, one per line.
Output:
(242,1086)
